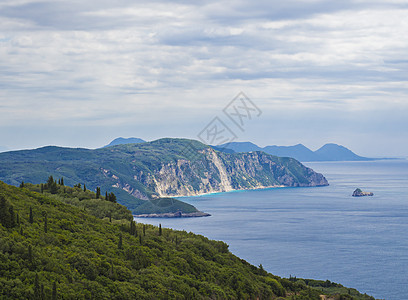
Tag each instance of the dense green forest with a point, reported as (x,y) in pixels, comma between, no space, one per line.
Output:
(53,248)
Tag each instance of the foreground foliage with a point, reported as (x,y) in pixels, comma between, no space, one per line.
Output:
(53,250)
(95,204)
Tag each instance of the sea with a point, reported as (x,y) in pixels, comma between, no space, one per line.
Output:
(318,232)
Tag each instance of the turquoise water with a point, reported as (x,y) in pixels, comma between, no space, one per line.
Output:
(320,233)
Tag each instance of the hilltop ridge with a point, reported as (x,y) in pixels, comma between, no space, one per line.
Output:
(328,152)
(121,141)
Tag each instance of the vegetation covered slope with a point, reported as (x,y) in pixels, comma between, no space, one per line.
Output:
(53,250)
(94,203)
(162,168)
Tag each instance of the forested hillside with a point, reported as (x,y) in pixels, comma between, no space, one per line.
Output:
(53,250)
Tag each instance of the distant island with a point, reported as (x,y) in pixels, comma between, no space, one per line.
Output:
(329,152)
(359,193)
(145,176)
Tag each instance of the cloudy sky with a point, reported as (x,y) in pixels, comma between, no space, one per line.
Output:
(81,73)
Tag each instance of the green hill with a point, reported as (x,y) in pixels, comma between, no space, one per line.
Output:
(159,169)
(53,250)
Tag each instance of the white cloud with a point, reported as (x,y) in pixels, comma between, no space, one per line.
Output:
(106,64)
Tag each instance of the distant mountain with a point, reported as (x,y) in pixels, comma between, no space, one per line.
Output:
(241,147)
(121,141)
(299,151)
(329,152)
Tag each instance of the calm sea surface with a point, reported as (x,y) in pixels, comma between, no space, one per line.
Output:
(320,233)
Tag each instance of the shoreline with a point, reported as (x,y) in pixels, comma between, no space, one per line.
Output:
(244,190)
(178,214)
(231,191)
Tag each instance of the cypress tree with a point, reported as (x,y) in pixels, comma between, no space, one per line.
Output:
(62,180)
(111,271)
(98,192)
(12,220)
(53,188)
(54,291)
(4,212)
(132,227)
(160,230)
(112,197)
(45,224)
(50,181)
(42,188)
(22,184)
(84,187)
(31,219)
(42,292)
(144,230)
(30,253)
(37,291)
(120,243)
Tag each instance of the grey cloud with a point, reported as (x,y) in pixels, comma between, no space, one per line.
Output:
(44,14)
(275,10)
(243,11)
(70,15)
(73,15)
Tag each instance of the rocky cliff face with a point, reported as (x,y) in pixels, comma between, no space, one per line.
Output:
(221,172)
(185,177)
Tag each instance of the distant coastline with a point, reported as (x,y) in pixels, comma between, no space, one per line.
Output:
(328,152)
